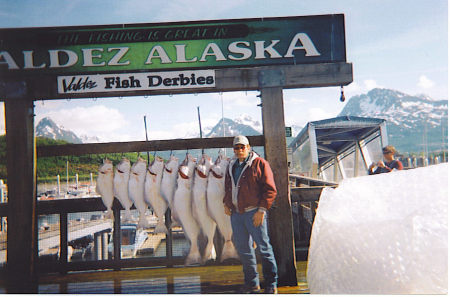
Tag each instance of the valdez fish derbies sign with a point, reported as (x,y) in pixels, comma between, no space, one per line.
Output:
(139,81)
(173,46)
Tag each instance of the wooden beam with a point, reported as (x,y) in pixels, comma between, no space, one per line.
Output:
(227,79)
(141,146)
(21,173)
(280,215)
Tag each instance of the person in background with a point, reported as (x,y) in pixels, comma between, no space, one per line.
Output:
(389,163)
(249,193)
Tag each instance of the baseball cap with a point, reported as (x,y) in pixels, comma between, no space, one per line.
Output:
(240,139)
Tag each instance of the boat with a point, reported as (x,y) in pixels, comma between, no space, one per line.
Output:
(132,240)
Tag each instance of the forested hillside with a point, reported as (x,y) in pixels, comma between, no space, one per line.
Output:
(49,167)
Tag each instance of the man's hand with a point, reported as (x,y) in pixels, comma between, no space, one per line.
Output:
(258,218)
(227,210)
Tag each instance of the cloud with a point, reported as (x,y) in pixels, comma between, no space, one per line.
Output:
(357,88)
(425,82)
(370,84)
(191,129)
(317,114)
(353,88)
(234,100)
(99,120)
(295,100)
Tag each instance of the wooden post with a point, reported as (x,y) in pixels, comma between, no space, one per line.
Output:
(63,236)
(280,215)
(22,219)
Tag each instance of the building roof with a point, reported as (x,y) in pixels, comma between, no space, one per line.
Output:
(336,135)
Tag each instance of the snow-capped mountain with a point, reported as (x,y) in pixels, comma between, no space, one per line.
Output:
(89,139)
(243,125)
(49,129)
(414,123)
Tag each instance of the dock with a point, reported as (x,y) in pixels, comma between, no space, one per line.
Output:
(221,279)
(51,238)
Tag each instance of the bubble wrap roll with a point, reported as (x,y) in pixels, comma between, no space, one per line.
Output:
(382,234)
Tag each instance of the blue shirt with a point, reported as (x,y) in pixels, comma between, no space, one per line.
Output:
(237,169)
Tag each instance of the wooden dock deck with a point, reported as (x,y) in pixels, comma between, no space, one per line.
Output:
(218,279)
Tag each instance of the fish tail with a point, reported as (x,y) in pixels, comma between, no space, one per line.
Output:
(229,251)
(193,258)
(210,253)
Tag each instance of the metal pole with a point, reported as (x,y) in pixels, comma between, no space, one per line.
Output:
(200,125)
(58,185)
(146,139)
(67,176)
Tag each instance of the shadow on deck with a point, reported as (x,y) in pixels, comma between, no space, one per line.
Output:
(222,279)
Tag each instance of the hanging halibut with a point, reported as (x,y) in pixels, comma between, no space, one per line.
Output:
(105,186)
(152,191)
(215,193)
(182,203)
(169,182)
(199,208)
(136,190)
(121,176)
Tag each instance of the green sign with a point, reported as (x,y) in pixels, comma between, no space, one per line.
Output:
(173,46)
(288,131)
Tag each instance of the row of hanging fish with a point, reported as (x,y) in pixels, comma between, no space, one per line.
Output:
(193,190)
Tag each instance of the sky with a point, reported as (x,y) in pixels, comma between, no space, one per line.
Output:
(395,44)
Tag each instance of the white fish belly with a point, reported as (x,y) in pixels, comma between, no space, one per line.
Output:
(183,207)
(153,196)
(200,210)
(168,184)
(215,194)
(121,189)
(136,192)
(105,188)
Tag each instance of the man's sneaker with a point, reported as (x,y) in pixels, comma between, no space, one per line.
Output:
(250,289)
(271,290)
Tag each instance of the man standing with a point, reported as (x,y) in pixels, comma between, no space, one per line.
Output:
(249,193)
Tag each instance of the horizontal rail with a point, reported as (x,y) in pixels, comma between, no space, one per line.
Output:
(305,194)
(67,205)
(299,179)
(141,146)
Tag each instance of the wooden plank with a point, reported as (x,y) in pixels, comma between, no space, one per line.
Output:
(306,194)
(21,168)
(227,79)
(141,146)
(280,215)
(63,235)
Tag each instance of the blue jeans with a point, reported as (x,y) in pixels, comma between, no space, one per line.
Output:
(243,233)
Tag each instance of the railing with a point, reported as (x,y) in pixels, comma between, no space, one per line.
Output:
(305,194)
(65,206)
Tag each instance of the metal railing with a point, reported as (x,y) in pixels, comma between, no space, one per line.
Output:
(63,207)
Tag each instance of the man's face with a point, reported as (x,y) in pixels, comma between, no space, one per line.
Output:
(241,151)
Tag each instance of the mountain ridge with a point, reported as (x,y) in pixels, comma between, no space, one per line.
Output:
(414,123)
(49,129)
